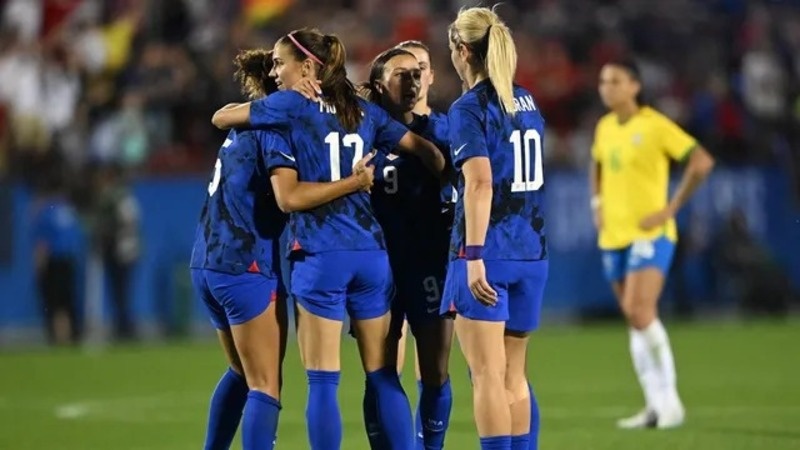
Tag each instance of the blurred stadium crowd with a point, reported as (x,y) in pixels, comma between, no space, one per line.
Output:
(95,93)
(134,82)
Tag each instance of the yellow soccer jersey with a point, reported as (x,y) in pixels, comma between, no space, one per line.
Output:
(634,174)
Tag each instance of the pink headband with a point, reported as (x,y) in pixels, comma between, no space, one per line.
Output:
(304,50)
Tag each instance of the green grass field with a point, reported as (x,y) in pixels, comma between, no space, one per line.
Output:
(740,383)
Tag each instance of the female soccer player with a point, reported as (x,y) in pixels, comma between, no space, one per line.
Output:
(339,259)
(629,177)
(439,124)
(235,269)
(408,204)
(498,268)
(426,79)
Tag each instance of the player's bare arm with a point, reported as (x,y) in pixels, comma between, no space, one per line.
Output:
(697,169)
(596,199)
(423,149)
(231,116)
(293,195)
(477,208)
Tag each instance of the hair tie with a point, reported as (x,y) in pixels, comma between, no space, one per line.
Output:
(306,51)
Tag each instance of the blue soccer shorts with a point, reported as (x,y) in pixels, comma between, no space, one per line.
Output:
(332,284)
(234,299)
(519,286)
(641,254)
(418,290)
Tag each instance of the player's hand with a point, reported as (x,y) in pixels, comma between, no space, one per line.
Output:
(308,88)
(597,216)
(365,172)
(476,277)
(656,220)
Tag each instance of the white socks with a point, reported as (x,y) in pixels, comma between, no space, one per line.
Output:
(654,364)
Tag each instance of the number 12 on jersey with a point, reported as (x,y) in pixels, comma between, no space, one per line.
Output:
(353,141)
(522,161)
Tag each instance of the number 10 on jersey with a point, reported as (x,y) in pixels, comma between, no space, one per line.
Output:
(522,161)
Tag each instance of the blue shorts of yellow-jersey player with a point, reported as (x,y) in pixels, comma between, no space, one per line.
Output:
(637,256)
(519,286)
(418,291)
(234,299)
(330,284)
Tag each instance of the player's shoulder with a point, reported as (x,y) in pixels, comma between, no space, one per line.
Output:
(233,134)
(471,98)
(521,91)
(288,97)
(263,139)
(290,101)
(241,136)
(471,101)
(438,117)
(439,124)
(370,110)
(269,139)
(606,121)
(365,104)
(653,116)
(237,137)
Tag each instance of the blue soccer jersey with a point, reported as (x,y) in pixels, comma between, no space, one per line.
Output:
(240,222)
(438,132)
(407,197)
(321,150)
(513,144)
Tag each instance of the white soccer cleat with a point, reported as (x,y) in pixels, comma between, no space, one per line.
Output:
(671,416)
(646,418)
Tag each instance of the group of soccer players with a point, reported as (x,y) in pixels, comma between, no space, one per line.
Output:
(340,199)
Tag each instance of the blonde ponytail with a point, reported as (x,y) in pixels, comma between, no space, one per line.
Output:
(501,64)
(495,54)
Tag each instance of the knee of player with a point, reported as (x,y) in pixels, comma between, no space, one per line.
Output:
(372,362)
(269,387)
(264,381)
(488,373)
(434,372)
(640,317)
(516,387)
(435,378)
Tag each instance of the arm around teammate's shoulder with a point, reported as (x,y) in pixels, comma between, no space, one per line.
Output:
(232,115)
(424,150)
(275,110)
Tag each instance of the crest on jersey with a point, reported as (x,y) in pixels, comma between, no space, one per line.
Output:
(392,156)
(637,139)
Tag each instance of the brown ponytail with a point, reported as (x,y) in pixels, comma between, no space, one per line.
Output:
(337,90)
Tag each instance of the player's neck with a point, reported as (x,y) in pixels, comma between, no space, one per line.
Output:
(398,113)
(404,117)
(473,78)
(626,111)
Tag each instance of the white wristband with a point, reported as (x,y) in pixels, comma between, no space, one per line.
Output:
(595,202)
